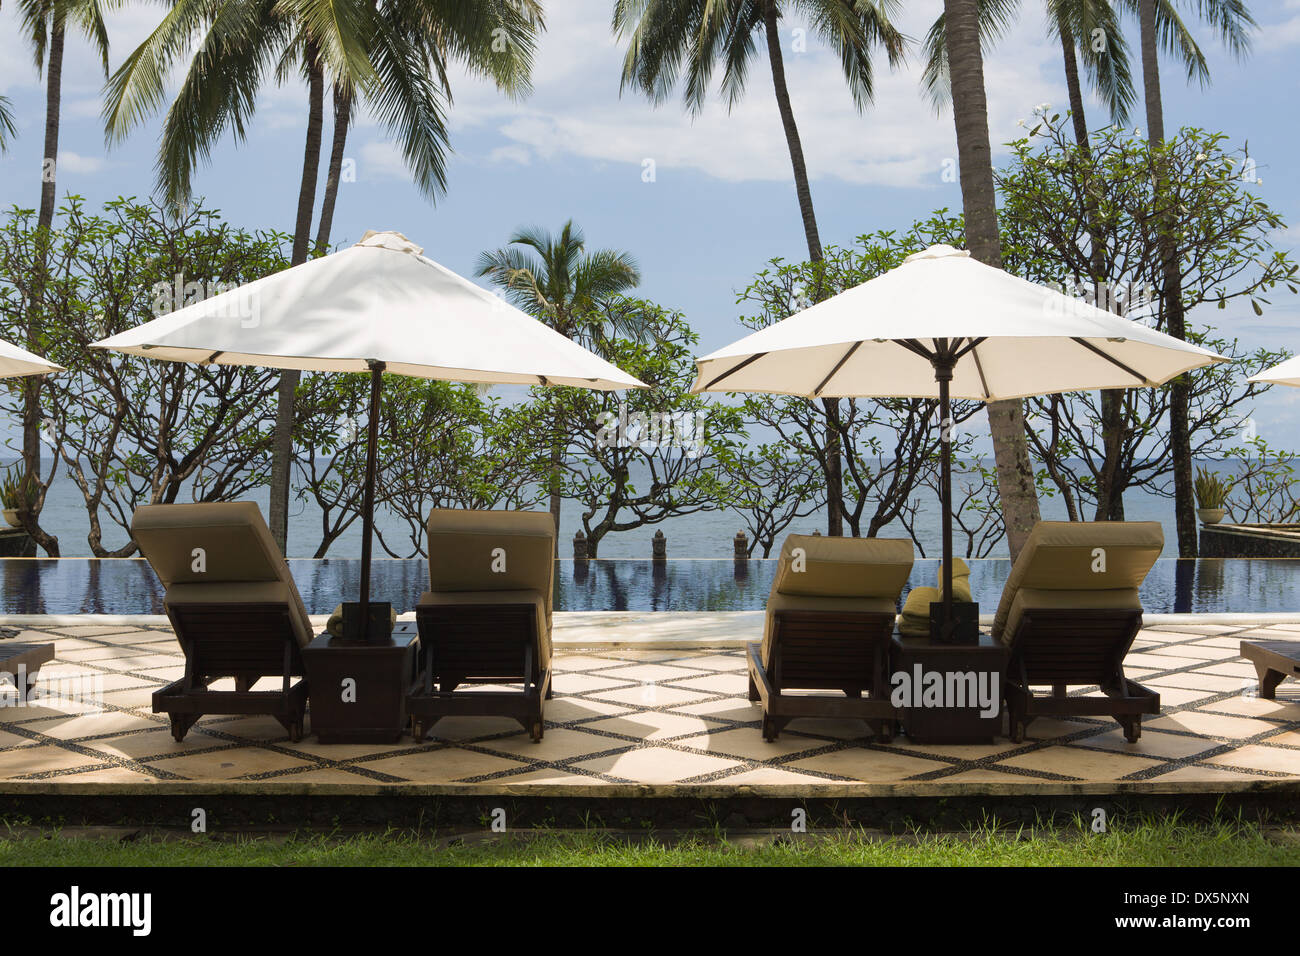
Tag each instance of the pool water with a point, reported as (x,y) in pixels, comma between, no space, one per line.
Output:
(129,586)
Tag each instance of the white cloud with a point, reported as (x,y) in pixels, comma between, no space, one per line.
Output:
(511,154)
(382,160)
(75,163)
(576,111)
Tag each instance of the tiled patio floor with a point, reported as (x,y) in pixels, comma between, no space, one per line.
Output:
(657,721)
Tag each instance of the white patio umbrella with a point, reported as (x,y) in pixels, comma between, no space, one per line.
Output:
(1284,373)
(944,325)
(16,362)
(377,306)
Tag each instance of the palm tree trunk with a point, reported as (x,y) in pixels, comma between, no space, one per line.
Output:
(1180,441)
(342,119)
(1110,499)
(832,465)
(1072,86)
(557,456)
(31,385)
(975,159)
(282,444)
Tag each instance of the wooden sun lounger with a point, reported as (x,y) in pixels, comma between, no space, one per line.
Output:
(830,619)
(236,613)
(1069,614)
(486,619)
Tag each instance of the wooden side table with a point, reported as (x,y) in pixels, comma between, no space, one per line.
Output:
(358,691)
(963,669)
(1274,661)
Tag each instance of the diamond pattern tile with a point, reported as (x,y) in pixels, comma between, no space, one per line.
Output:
(653,717)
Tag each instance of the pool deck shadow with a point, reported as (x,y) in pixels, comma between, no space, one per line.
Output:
(647,705)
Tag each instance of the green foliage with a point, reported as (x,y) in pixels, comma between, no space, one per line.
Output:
(1089,223)
(130,431)
(18,489)
(1211,490)
(1263,489)
(637,458)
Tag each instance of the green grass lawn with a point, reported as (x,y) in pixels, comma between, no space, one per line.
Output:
(1157,843)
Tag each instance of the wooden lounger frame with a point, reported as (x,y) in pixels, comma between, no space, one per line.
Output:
(1076,647)
(243,641)
(845,651)
(478,644)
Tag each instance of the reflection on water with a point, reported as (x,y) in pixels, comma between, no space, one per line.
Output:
(128,585)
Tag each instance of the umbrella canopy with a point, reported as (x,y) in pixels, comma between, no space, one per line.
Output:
(16,362)
(1285,373)
(944,325)
(379,306)
(1021,339)
(378,301)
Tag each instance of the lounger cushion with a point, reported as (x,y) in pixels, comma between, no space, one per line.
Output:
(533,598)
(799,602)
(915,618)
(236,542)
(1061,558)
(1034,599)
(463,545)
(238,550)
(843,567)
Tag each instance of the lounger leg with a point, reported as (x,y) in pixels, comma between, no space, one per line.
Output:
(293,726)
(1132,727)
(417,729)
(772,727)
(753,688)
(181,723)
(1268,681)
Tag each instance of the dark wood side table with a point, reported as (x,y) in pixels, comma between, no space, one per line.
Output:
(962,667)
(372,709)
(1274,661)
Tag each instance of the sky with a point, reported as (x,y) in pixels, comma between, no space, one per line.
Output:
(721,201)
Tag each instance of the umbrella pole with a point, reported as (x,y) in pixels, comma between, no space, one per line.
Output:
(943,365)
(368,493)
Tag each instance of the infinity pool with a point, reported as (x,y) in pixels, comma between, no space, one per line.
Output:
(128,586)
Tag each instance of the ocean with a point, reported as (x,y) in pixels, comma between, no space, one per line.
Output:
(701,535)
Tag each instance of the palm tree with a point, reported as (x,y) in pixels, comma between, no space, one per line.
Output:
(443,28)
(45,23)
(8,129)
(554,278)
(662,34)
(1160,26)
(358,46)
(975,161)
(1075,24)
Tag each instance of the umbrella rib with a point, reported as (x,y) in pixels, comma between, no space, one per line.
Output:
(1112,360)
(979,367)
(913,345)
(838,365)
(731,371)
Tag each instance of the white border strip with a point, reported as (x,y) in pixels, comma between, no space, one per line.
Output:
(155,620)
